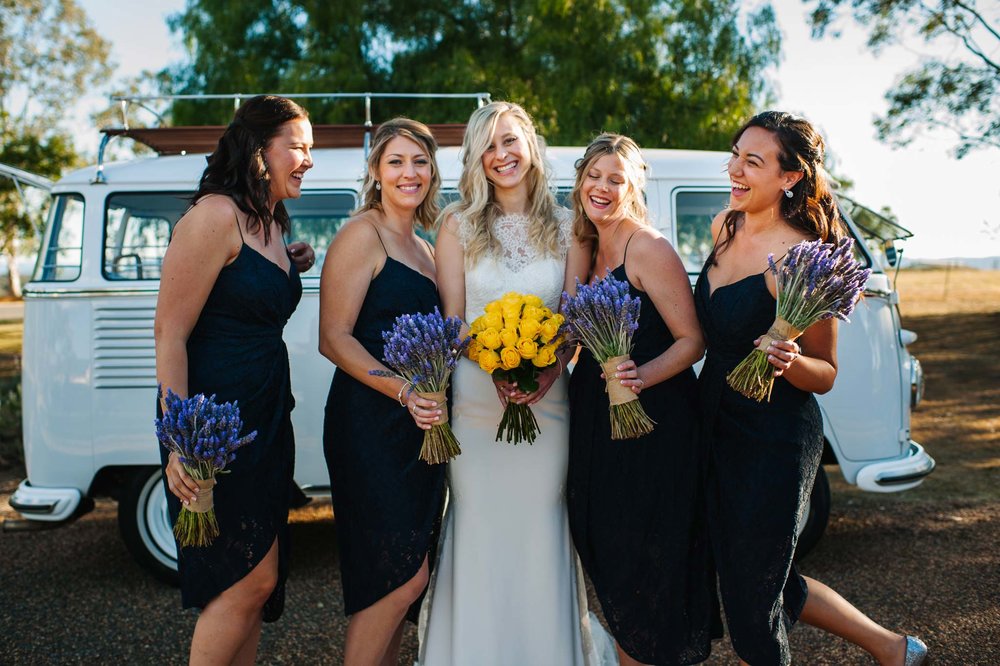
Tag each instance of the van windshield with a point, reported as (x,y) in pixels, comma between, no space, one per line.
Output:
(138,226)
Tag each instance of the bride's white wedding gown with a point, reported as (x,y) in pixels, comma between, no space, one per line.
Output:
(507,589)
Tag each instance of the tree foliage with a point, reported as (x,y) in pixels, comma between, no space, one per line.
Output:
(49,57)
(959,94)
(678,73)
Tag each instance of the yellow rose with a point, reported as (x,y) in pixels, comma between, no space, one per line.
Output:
(529,328)
(489,360)
(490,338)
(546,356)
(492,320)
(546,313)
(534,301)
(532,312)
(512,299)
(550,328)
(509,358)
(512,313)
(527,348)
(475,348)
(492,307)
(508,337)
(476,326)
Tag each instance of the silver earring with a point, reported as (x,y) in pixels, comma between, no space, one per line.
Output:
(378,185)
(789,194)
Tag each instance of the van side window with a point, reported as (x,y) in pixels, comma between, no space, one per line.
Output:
(61,253)
(316,218)
(137,227)
(137,230)
(694,211)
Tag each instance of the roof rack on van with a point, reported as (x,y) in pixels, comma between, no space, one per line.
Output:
(203,139)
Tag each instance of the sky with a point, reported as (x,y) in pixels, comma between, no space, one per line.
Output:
(836,83)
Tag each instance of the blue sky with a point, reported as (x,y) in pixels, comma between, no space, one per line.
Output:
(836,83)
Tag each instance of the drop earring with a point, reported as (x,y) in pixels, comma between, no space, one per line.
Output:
(789,194)
(378,185)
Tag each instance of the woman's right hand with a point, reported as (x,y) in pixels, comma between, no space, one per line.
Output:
(179,481)
(426,413)
(508,391)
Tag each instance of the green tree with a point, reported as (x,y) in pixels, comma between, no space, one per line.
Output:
(958,94)
(49,57)
(678,73)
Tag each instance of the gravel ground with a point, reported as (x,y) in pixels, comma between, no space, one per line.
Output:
(74,595)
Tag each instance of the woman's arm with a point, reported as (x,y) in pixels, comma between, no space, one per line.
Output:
(353,259)
(578,264)
(810,363)
(203,242)
(449,262)
(656,269)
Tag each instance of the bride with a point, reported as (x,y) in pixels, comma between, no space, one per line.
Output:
(507,587)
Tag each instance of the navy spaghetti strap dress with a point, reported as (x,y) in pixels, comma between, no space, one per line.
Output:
(236,352)
(763,459)
(386,501)
(636,510)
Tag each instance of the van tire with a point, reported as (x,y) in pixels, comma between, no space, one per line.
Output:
(145,525)
(817,515)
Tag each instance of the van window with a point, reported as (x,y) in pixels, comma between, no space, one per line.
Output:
(316,218)
(60,257)
(138,227)
(137,230)
(694,212)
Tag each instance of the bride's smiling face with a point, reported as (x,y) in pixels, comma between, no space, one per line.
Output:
(507,159)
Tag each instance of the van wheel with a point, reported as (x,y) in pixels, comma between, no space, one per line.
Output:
(145,525)
(817,515)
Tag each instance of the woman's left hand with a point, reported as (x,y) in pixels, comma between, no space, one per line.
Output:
(628,375)
(302,255)
(546,378)
(781,354)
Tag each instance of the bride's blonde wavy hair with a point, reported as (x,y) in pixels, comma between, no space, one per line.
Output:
(633,204)
(478,205)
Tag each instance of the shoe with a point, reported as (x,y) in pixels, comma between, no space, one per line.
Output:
(916,652)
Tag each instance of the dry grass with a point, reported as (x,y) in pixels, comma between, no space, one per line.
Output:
(956,314)
(10,337)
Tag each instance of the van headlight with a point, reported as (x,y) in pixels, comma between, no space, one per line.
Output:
(916,382)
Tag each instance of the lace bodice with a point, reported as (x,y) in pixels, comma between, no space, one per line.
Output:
(518,266)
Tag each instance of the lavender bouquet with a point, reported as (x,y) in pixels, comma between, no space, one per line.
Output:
(816,281)
(604,316)
(205,435)
(423,349)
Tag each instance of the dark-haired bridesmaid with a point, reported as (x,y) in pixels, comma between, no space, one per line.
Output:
(228,286)
(763,456)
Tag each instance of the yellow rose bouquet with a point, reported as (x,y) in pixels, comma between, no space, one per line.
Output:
(515,339)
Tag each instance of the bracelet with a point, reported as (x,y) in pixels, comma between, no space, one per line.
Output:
(399,396)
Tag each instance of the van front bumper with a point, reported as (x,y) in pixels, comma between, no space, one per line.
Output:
(45,504)
(893,476)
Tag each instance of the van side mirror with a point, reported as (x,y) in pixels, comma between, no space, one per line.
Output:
(890,252)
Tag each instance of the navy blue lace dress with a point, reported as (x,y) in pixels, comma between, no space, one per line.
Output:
(763,459)
(386,501)
(236,352)
(635,507)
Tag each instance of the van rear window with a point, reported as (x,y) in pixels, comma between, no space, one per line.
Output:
(694,211)
(61,254)
(138,225)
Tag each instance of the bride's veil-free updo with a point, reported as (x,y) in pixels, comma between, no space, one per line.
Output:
(478,206)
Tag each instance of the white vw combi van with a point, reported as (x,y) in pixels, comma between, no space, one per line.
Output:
(89,378)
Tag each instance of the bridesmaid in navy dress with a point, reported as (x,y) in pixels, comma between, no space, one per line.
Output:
(386,501)
(635,505)
(763,456)
(228,286)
